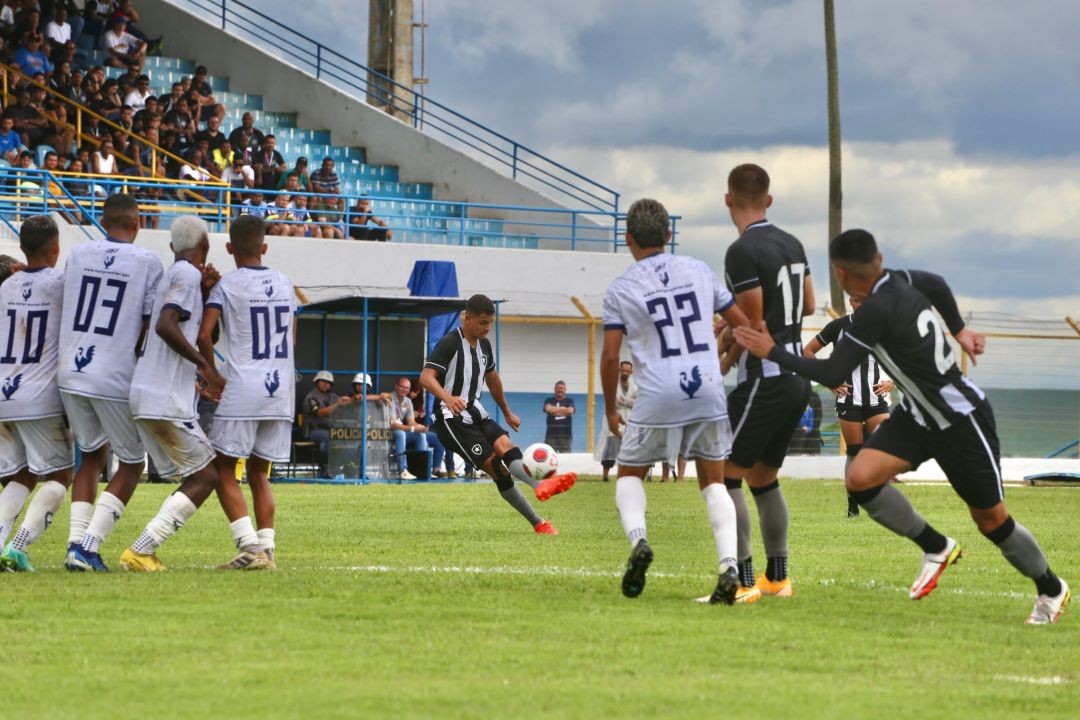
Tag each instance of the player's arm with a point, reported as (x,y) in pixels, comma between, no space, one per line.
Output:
(937,291)
(429,380)
(495,387)
(168,329)
(832,371)
(812,348)
(809,302)
(609,377)
(207,334)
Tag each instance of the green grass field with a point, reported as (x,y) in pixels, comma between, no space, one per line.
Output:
(437,601)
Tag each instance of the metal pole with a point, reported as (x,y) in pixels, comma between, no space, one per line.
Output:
(498,334)
(513,164)
(573,230)
(363,406)
(223,14)
(318,61)
(590,398)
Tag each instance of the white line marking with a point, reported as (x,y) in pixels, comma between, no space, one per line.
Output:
(1031,680)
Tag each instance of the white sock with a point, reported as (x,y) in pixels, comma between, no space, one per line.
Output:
(12,500)
(721,512)
(266,538)
(243,534)
(39,515)
(106,514)
(630,499)
(81,513)
(174,513)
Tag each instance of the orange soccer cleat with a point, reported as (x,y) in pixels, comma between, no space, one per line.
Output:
(554,485)
(545,528)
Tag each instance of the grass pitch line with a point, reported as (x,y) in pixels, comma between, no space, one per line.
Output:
(1031,680)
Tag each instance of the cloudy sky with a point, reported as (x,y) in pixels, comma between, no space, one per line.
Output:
(960,122)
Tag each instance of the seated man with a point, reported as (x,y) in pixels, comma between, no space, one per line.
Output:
(121,47)
(359,217)
(319,406)
(408,434)
(279,218)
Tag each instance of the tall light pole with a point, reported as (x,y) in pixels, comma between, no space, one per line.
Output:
(836,195)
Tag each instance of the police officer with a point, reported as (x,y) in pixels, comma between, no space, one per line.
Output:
(319,406)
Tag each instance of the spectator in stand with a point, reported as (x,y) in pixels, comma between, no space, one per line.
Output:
(96,14)
(7,18)
(223,157)
(58,200)
(29,121)
(10,139)
(137,98)
(559,410)
(124,150)
(255,205)
(103,161)
(304,226)
(110,104)
(168,102)
(75,187)
(72,16)
(299,172)
(212,134)
(180,121)
(268,164)
(208,104)
(31,58)
(330,218)
(359,217)
(238,175)
(172,153)
(58,30)
(126,120)
(407,433)
(127,12)
(28,20)
(279,219)
(60,81)
(141,121)
(247,139)
(59,133)
(194,170)
(325,182)
(121,47)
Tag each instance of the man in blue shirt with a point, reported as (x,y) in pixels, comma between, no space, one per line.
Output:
(31,59)
(559,409)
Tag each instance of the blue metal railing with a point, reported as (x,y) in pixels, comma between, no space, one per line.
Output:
(522,162)
(1062,450)
(25,192)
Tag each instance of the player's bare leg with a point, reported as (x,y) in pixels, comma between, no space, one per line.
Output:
(721,512)
(231,497)
(852,432)
(38,518)
(868,481)
(631,502)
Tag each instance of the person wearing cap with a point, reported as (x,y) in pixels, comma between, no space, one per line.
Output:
(121,47)
(299,175)
(319,406)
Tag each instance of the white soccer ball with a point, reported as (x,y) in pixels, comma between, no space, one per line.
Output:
(541,461)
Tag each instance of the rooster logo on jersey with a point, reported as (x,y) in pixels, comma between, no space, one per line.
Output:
(11,385)
(690,385)
(272,383)
(269,290)
(662,273)
(110,259)
(27,292)
(82,360)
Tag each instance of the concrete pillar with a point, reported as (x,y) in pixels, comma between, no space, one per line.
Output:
(390,52)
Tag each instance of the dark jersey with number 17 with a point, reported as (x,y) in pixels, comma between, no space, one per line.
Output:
(767,257)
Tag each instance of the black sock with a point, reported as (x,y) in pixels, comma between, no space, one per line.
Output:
(1048,584)
(930,540)
(776,569)
(746,572)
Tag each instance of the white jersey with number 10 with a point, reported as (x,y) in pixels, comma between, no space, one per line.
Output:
(664,304)
(257,307)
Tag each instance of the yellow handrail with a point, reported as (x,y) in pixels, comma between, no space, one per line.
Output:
(80,109)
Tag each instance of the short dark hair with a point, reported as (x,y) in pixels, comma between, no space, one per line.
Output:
(37,233)
(247,233)
(648,222)
(749,184)
(201,70)
(856,251)
(7,266)
(118,209)
(627,362)
(479,305)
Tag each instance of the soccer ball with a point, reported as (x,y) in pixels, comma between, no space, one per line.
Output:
(541,461)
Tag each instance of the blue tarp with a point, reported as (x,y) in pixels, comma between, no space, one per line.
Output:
(435,278)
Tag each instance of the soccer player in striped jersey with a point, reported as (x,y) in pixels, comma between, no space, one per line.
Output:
(162,393)
(34,440)
(109,288)
(862,403)
(456,373)
(256,306)
(943,416)
(767,271)
(664,305)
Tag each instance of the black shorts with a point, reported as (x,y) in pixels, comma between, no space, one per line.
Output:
(861,413)
(967,452)
(475,442)
(764,414)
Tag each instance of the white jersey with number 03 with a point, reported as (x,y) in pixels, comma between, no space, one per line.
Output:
(257,307)
(664,304)
(109,289)
(31,302)
(163,386)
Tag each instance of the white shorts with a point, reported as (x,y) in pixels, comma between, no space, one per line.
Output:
(43,445)
(96,421)
(268,439)
(704,440)
(178,448)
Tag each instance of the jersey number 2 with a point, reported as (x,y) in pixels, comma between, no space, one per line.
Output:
(943,356)
(660,310)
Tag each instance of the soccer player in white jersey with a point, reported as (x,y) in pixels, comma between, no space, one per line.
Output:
(34,441)
(256,306)
(163,392)
(664,305)
(109,288)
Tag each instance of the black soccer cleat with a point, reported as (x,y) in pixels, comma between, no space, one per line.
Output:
(726,587)
(633,581)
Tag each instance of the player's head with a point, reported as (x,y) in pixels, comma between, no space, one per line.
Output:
(626,369)
(324,380)
(647,224)
(479,316)
(120,217)
(748,188)
(190,233)
(247,234)
(8,267)
(39,239)
(854,254)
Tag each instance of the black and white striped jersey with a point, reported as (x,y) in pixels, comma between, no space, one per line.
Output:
(767,257)
(865,377)
(461,369)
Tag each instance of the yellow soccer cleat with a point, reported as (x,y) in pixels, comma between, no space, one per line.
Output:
(137,562)
(778,588)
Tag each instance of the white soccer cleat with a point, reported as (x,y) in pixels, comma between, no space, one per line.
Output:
(1048,609)
(933,565)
